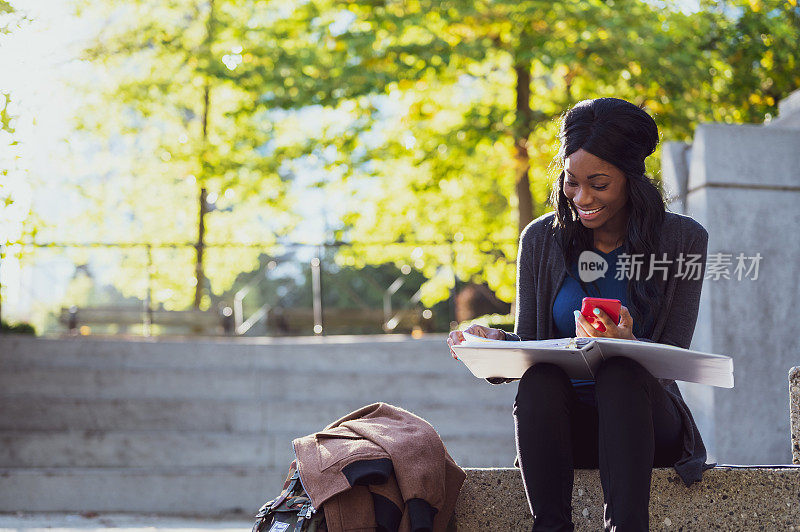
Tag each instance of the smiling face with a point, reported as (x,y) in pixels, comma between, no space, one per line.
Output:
(597,190)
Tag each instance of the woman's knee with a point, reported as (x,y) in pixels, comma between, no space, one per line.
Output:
(543,378)
(619,372)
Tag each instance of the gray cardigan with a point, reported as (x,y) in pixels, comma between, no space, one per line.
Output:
(541,270)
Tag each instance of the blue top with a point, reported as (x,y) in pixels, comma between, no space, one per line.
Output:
(569,298)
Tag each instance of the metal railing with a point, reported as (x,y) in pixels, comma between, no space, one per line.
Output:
(255,305)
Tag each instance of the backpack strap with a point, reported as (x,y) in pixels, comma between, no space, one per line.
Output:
(292,498)
(292,479)
(302,515)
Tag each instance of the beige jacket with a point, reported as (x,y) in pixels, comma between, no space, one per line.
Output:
(422,467)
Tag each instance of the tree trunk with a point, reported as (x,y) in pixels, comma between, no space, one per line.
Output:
(201,226)
(199,274)
(522,132)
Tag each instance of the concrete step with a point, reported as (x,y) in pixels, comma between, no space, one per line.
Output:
(323,353)
(72,522)
(139,448)
(731,499)
(765,498)
(174,490)
(301,416)
(195,448)
(184,383)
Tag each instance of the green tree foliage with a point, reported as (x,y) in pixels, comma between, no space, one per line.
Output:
(757,60)
(182,161)
(435,121)
(443,133)
(455,107)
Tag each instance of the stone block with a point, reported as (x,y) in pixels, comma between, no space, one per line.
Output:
(744,187)
(729,499)
(744,155)
(675,174)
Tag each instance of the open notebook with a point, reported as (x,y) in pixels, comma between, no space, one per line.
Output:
(580,358)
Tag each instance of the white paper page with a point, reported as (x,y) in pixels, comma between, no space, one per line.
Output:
(509,359)
(669,362)
(473,340)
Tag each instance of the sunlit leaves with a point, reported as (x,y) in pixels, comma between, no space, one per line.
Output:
(409,110)
(175,120)
(443,166)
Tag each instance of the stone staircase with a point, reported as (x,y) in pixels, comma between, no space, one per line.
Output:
(205,427)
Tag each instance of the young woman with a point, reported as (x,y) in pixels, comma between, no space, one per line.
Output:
(625,421)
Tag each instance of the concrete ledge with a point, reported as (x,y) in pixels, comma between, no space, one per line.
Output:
(94,522)
(794,412)
(731,499)
(757,498)
(202,492)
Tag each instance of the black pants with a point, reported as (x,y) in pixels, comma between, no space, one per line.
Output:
(634,427)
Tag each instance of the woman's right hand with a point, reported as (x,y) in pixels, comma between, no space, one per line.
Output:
(456,337)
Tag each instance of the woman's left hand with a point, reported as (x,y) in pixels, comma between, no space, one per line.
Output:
(623,330)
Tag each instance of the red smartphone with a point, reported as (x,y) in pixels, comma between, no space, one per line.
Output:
(609,306)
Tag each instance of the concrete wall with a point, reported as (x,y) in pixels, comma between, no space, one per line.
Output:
(743,185)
